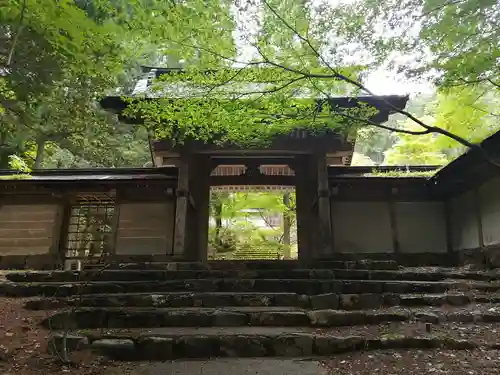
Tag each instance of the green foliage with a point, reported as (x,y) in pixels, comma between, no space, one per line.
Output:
(401,173)
(18,164)
(454,42)
(463,37)
(468,112)
(19,176)
(246,106)
(239,235)
(465,111)
(58,57)
(298,53)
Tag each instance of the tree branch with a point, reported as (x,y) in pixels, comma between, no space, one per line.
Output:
(336,74)
(381,126)
(439,7)
(228,80)
(18,33)
(497,85)
(273,90)
(151,151)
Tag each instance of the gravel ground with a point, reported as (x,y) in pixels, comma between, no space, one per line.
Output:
(415,362)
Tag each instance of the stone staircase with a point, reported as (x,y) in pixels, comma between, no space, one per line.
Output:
(160,311)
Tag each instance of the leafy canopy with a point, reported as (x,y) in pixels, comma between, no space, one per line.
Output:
(290,53)
(269,60)
(58,57)
(254,105)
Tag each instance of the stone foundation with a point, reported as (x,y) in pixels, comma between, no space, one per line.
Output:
(485,258)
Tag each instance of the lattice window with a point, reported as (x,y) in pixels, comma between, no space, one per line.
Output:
(91,231)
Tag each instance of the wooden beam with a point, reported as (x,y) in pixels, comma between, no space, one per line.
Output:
(115,224)
(396,247)
(448,225)
(252,180)
(324,212)
(479,218)
(304,198)
(62,239)
(261,160)
(181,208)
(201,186)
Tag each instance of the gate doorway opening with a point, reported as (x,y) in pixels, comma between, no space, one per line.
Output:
(252,223)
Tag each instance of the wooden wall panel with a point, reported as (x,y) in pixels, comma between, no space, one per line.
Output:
(145,228)
(27,229)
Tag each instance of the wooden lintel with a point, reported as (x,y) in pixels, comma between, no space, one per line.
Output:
(252,180)
(264,160)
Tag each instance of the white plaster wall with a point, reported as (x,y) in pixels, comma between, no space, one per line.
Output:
(361,227)
(421,227)
(464,222)
(489,199)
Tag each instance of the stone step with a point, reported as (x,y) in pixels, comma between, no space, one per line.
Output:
(260,316)
(206,342)
(165,275)
(364,264)
(301,286)
(225,299)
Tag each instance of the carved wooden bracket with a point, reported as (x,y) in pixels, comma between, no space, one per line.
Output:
(252,170)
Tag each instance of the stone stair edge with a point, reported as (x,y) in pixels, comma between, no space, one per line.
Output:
(236,279)
(289,345)
(412,310)
(320,273)
(263,294)
(302,286)
(158,318)
(279,299)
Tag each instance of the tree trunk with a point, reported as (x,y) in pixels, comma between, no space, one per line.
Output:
(40,148)
(151,151)
(217,205)
(286,225)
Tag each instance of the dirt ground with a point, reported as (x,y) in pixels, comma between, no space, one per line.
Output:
(416,362)
(23,351)
(23,345)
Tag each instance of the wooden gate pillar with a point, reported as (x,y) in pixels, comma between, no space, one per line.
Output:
(314,224)
(181,208)
(324,244)
(200,198)
(305,192)
(192,208)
